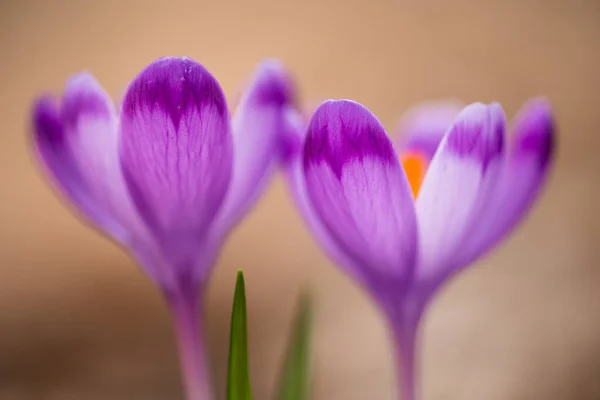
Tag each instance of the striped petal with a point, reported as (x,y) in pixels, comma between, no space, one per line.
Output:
(292,147)
(458,183)
(176,152)
(360,194)
(78,144)
(523,176)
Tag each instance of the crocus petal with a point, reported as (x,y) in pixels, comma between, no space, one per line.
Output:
(90,124)
(523,176)
(176,152)
(292,148)
(457,185)
(359,191)
(55,154)
(528,164)
(257,126)
(423,126)
(78,144)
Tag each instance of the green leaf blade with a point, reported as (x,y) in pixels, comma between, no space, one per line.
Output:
(238,376)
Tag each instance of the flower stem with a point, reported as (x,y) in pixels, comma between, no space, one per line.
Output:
(190,343)
(406,360)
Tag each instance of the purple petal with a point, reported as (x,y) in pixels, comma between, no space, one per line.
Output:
(423,126)
(521,181)
(296,180)
(295,134)
(176,153)
(459,182)
(359,191)
(78,145)
(257,126)
(291,139)
(55,153)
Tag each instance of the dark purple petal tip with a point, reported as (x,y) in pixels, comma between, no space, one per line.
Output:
(273,85)
(478,133)
(175,85)
(342,131)
(84,96)
(535,131)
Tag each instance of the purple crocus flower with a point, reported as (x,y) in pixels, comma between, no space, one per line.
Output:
(351,187)
(169,175)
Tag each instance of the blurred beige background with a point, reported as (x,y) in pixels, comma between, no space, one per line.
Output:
(79,321)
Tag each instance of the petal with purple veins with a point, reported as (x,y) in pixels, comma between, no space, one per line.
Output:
(52,148)
(292,164)
(176,152)
(359,192)
(458,183)
(78,144)
(522,178)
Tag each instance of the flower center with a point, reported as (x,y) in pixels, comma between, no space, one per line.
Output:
(415,165)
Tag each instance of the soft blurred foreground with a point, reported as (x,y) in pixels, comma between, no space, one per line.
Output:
(79,321)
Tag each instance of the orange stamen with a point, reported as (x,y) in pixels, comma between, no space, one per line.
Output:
(415,165)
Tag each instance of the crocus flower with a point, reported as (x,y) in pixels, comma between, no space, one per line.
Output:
(352,189)
(168,176)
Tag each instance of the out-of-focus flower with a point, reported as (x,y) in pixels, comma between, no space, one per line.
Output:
(353,191)
(169,175)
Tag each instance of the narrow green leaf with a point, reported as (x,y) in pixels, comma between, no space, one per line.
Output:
(238,376)
(295,377)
